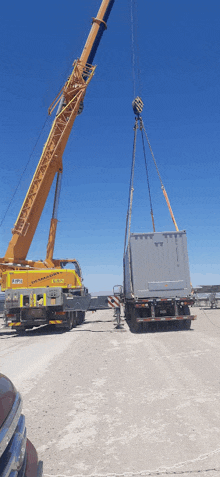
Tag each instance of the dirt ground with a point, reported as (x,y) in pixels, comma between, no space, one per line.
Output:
(100,400)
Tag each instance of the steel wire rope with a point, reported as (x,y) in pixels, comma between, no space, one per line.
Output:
(162,186)
(147,173)
(131,188)
(133,61)
(135,57)
(129,211)
(136,72)
(132,48)
(133,8)
(209,318)
(152,154)
(24,170)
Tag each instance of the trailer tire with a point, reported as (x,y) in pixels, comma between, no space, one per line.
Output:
(127,313)
(135,326)
(19,331)
(186,310)
(187,324)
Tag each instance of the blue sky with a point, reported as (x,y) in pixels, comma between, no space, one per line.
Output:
(179,58)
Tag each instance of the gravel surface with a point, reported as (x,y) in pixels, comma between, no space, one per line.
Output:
(101,401)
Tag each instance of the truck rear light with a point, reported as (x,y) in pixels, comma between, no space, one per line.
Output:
(60,312)
(11,316)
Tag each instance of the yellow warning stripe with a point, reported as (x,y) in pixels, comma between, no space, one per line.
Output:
(55,322)
(14,324)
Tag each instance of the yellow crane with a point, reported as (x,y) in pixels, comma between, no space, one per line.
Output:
(70,100)
(16,272)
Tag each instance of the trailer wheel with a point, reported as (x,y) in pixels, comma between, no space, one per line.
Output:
(135,326)
(127,313)
(19,331)
(146,327)
(187,324)
(186,310)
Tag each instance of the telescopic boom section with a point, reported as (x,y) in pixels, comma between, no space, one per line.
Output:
(70,100)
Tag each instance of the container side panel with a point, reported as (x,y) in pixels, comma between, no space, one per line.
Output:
(160,265)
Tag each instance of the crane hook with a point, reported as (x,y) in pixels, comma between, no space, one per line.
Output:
(137,105)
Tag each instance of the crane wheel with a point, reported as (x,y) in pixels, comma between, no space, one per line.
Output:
(70,321)
(81,317)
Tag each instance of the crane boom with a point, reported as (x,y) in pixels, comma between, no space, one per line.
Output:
(70,100)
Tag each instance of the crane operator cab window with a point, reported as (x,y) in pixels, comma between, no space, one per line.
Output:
(26,300)
(40,300)
(71,266)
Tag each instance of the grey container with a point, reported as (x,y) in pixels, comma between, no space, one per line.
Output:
(157,266)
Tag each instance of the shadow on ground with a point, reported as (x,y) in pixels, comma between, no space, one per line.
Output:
(157,327)
(6,333)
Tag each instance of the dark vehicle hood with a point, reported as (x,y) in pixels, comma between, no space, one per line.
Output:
(7,397)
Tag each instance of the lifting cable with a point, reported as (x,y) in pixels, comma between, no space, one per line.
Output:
(131,188)
(130,201)
(136,76)
(162,186)
(148,182)
(138,101)
(137,107)
(133,49)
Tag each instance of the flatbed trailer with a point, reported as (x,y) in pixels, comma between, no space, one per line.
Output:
(159,310)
